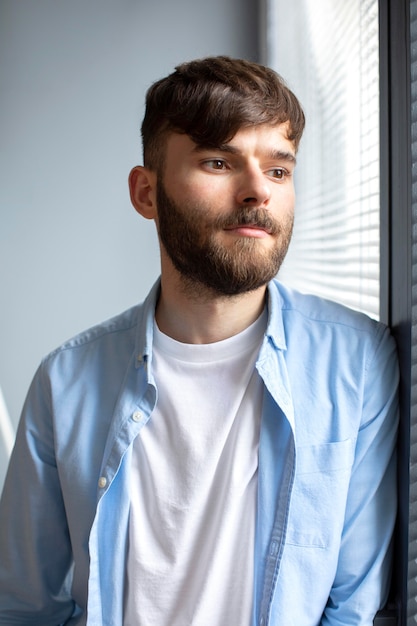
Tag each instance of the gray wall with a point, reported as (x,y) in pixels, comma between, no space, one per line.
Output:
(73,76)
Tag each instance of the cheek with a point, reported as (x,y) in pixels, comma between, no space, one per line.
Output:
(289,193)
(291,202)
(185,192)
(284,201)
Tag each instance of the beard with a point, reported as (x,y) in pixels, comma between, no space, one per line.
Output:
(188,236)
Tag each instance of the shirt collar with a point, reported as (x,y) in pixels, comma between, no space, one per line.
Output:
(144,337)
(275,329)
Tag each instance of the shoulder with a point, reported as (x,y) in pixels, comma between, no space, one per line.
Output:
(131,327)
(325,327)
(112,328)
(97,358)
(105,348)
(316,311)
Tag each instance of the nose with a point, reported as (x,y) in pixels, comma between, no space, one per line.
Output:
(253,188)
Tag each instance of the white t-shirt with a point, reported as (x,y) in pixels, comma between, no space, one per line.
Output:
(194,486)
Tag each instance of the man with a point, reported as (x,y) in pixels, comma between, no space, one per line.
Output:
(224,453)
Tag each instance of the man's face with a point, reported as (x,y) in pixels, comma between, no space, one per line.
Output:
(225,215)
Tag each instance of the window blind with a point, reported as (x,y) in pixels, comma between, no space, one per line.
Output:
(327,51)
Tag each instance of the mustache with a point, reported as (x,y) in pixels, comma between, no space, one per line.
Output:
(245,216)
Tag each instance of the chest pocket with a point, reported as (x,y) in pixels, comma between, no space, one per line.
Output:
(318,500)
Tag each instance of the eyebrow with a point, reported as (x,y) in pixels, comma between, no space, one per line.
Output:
(278,155)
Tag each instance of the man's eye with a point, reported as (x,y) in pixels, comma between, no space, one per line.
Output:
(216,164)
(279,173)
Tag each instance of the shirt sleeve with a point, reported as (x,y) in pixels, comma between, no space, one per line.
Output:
(362,580)
(35,548)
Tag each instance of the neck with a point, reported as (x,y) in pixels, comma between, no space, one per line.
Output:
(198,315)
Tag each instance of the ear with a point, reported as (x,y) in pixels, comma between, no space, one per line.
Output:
(142,186)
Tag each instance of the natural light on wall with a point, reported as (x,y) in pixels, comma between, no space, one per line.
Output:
(327,50)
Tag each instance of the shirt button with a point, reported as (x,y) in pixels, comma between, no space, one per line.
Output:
(102,482)
(137,416)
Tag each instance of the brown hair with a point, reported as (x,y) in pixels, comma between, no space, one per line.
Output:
(211,99)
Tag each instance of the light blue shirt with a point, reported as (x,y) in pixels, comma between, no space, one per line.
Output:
(326,477)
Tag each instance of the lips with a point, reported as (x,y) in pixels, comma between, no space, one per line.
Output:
(251,221)
(249,230)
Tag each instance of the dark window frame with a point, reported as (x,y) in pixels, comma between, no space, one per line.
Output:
(396,254)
